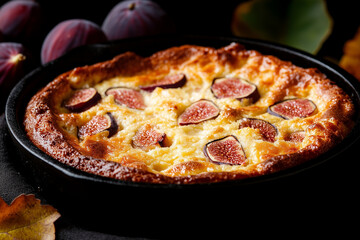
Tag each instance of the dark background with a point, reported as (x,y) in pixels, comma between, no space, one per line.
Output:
(204,17)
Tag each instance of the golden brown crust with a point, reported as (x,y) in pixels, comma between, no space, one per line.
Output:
(325,130)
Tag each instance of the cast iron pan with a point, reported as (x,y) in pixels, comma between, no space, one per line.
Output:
(94,200)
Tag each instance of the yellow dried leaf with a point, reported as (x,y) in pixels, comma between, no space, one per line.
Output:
(26,218)
(350,61)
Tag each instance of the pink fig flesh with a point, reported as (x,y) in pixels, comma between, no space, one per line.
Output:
(170,81)
(82,100)
(293,108)
(148,137)
(70,34)
(128,97)
(98,124)
(267,130)
(295,136)
(227,150)
(198,112)
(234,88)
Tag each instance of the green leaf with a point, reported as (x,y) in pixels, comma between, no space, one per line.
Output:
(303,24)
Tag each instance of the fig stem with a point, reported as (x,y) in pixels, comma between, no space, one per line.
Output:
(17,58)
(132,6)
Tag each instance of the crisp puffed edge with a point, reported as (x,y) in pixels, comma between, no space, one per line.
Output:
(40,122)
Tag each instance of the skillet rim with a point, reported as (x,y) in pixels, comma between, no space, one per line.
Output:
(15,108)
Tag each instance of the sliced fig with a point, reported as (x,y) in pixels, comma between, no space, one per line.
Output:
(295,136)
(198,112)
(267,130)
(148,137)
(98,124)
(292,108)
(82,100)
(227,150)
(170,81)
(234,88)
(127,96)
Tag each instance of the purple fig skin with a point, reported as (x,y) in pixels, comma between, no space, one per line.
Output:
(20,20)
(233,154)
(186,117)
(170,81)
(267,130)
(298,108)
(125,96)
(82,100)
(68,35)
(97,124)
(135,18)
(113,125)
(252,93)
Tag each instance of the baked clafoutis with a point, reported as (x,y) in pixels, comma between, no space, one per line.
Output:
(189,114)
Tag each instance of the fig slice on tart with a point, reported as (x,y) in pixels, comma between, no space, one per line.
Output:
(267,130)
(198,112)
(226,150)
(234,87)
(82,100)
(295,137)
(148,137)
(128,97)
(170,81)
(97,124)
(293,108)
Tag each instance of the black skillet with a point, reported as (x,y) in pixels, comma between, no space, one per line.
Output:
(139,208)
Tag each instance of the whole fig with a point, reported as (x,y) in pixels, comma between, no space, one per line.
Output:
(20,20)
(134,18)
(68,35)
(12,67)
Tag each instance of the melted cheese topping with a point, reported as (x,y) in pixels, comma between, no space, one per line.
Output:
(182,153)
